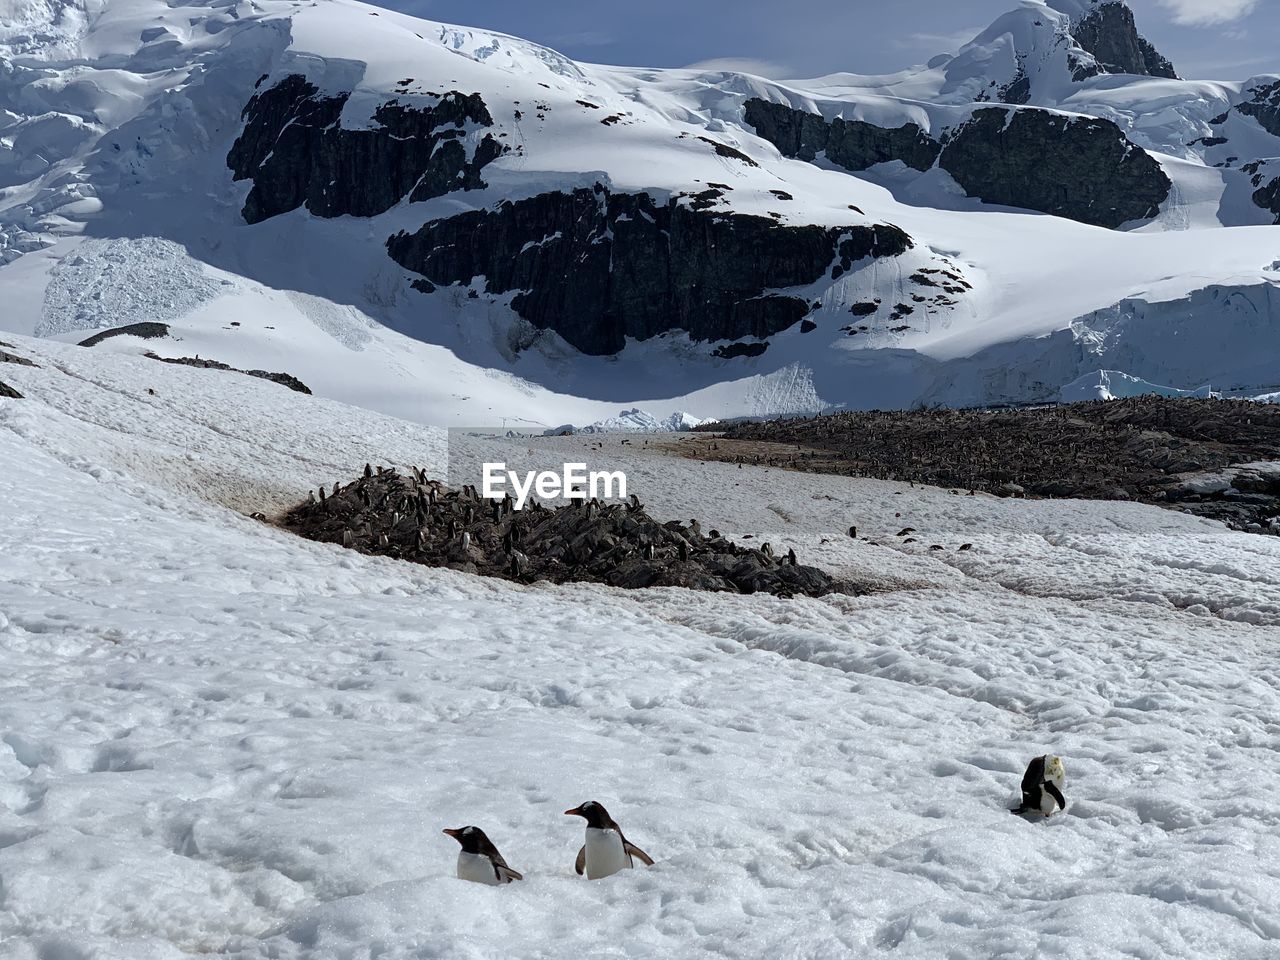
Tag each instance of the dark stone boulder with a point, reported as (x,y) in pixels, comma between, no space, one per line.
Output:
(296,152)
(598,267)
(1110,34)
(1081,168)
(8,391)
(853,144)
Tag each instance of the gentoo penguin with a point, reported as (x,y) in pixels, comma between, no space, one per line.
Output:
(606,851)
(479,860)
(1042,786)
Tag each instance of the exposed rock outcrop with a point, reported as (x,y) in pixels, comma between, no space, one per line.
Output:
(599,267)
(6,357)
(144,331)
(1268,198)
(8,391)
(284,379)
(1084,169)
(1264,106)
(853,144)
(296,152)
(423,521)
(1081,168)
(1110,34)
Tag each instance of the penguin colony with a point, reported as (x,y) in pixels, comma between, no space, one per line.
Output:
(1133,449)
(413,518)
(606,849)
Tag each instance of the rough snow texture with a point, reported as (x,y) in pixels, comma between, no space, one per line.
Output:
(218,738)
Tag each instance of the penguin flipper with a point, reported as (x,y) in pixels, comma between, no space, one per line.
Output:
(506,874)
(1054,792)
(581,863)
(639,854)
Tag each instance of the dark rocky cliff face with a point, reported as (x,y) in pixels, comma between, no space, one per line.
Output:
(1082,169)
(1111,35)
(294,150)
(1268,198)
(853,144)
(1079,168)
(599,267)
(1264,107)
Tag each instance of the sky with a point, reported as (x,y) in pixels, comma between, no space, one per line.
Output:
(1205,39)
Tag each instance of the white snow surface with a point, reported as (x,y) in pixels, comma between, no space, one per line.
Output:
(116,117)
(216,738)
(635,420)
(1114,385)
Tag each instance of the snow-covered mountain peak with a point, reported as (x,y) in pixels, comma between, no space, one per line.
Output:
(736,245)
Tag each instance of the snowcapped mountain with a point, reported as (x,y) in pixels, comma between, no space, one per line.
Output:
(458,226)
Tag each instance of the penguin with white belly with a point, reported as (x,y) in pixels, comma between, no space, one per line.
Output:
(479,860)
(607,850)
(1042,786)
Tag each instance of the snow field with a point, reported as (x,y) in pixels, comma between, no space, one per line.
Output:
(217,738)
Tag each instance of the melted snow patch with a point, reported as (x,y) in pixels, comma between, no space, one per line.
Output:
(107,283)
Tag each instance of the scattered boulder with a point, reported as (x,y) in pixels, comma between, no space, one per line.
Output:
(9,392)
(420,520)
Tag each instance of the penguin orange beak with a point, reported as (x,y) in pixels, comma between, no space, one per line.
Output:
(456,834)
(575,812)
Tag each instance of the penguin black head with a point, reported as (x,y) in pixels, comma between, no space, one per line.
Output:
(471,838)
(594,813)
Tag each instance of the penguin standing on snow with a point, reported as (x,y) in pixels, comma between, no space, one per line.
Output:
(479,860)
(1042,786)
(606,851)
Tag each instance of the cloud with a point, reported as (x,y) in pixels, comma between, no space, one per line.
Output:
(761,68)
(1203,13)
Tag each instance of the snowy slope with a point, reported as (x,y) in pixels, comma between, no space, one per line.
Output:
(218,739)
(116,118)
